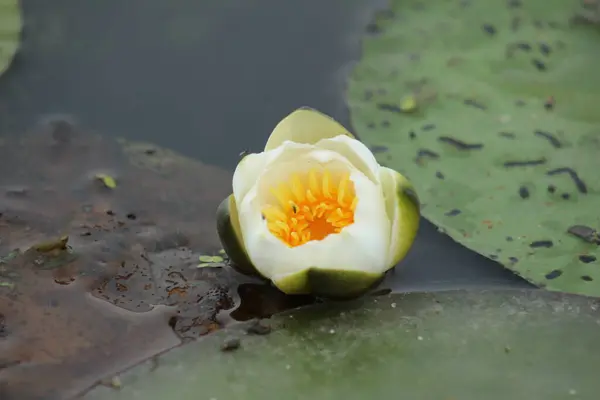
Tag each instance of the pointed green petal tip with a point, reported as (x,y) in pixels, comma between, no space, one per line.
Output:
(230,234)
(328,283)
(305,125)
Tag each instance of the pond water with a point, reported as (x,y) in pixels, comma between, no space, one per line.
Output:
(208,80)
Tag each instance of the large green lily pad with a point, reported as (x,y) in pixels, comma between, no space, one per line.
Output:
(491,109)
(10,31)
(446,345)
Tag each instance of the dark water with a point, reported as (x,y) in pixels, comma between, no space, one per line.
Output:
(207,79)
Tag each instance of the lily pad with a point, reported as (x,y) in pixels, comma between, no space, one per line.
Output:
(10,31)
(448,345)
(502,144)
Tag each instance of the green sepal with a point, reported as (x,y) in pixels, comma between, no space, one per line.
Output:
(329,283)
(230,234)
(305,125)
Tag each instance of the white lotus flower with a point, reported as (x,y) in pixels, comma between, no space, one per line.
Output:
(315,213)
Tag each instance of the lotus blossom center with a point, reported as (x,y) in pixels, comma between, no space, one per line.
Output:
(311,206)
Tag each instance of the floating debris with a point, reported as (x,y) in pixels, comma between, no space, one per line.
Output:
(107,180)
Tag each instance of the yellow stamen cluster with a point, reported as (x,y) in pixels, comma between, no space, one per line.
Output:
(311,206)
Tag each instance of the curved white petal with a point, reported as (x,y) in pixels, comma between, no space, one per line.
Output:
(251,167)
(356,152)
(361,246)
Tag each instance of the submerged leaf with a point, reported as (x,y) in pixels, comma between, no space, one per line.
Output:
(505,155)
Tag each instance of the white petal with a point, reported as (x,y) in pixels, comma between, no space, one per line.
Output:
(361,246)
(252,167)
(356,152)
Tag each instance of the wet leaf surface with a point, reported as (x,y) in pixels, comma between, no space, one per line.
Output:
(94,279)
(467,345)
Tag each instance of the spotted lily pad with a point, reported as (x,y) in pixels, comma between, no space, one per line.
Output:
(10,31)
(448,345)
(503,146)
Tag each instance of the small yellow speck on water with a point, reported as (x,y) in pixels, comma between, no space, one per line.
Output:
(311,206)
(408,103)
(107,180)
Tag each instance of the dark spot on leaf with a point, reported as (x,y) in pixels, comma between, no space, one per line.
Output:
(424,153)
(385,124)
(508,135)
(523,46)
(389,107)
(493,256)
(523,192)
(587,278)
(553,274)
(549,103)
(538,64)
(452,213)
(553,24)
(545,49)
(585,258)
(509,239)
(379,149)
(586,233)
(412,134)
(439,175)
(553,140)
(514,3)
(565,196)
(513,259)
(515,24)
(460,145)
(541,243)
(551,188)
(524,163)
(490,29)
(474,103)
(428,127)
(520,103)
(371,125)
(150,152)
(579,183)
